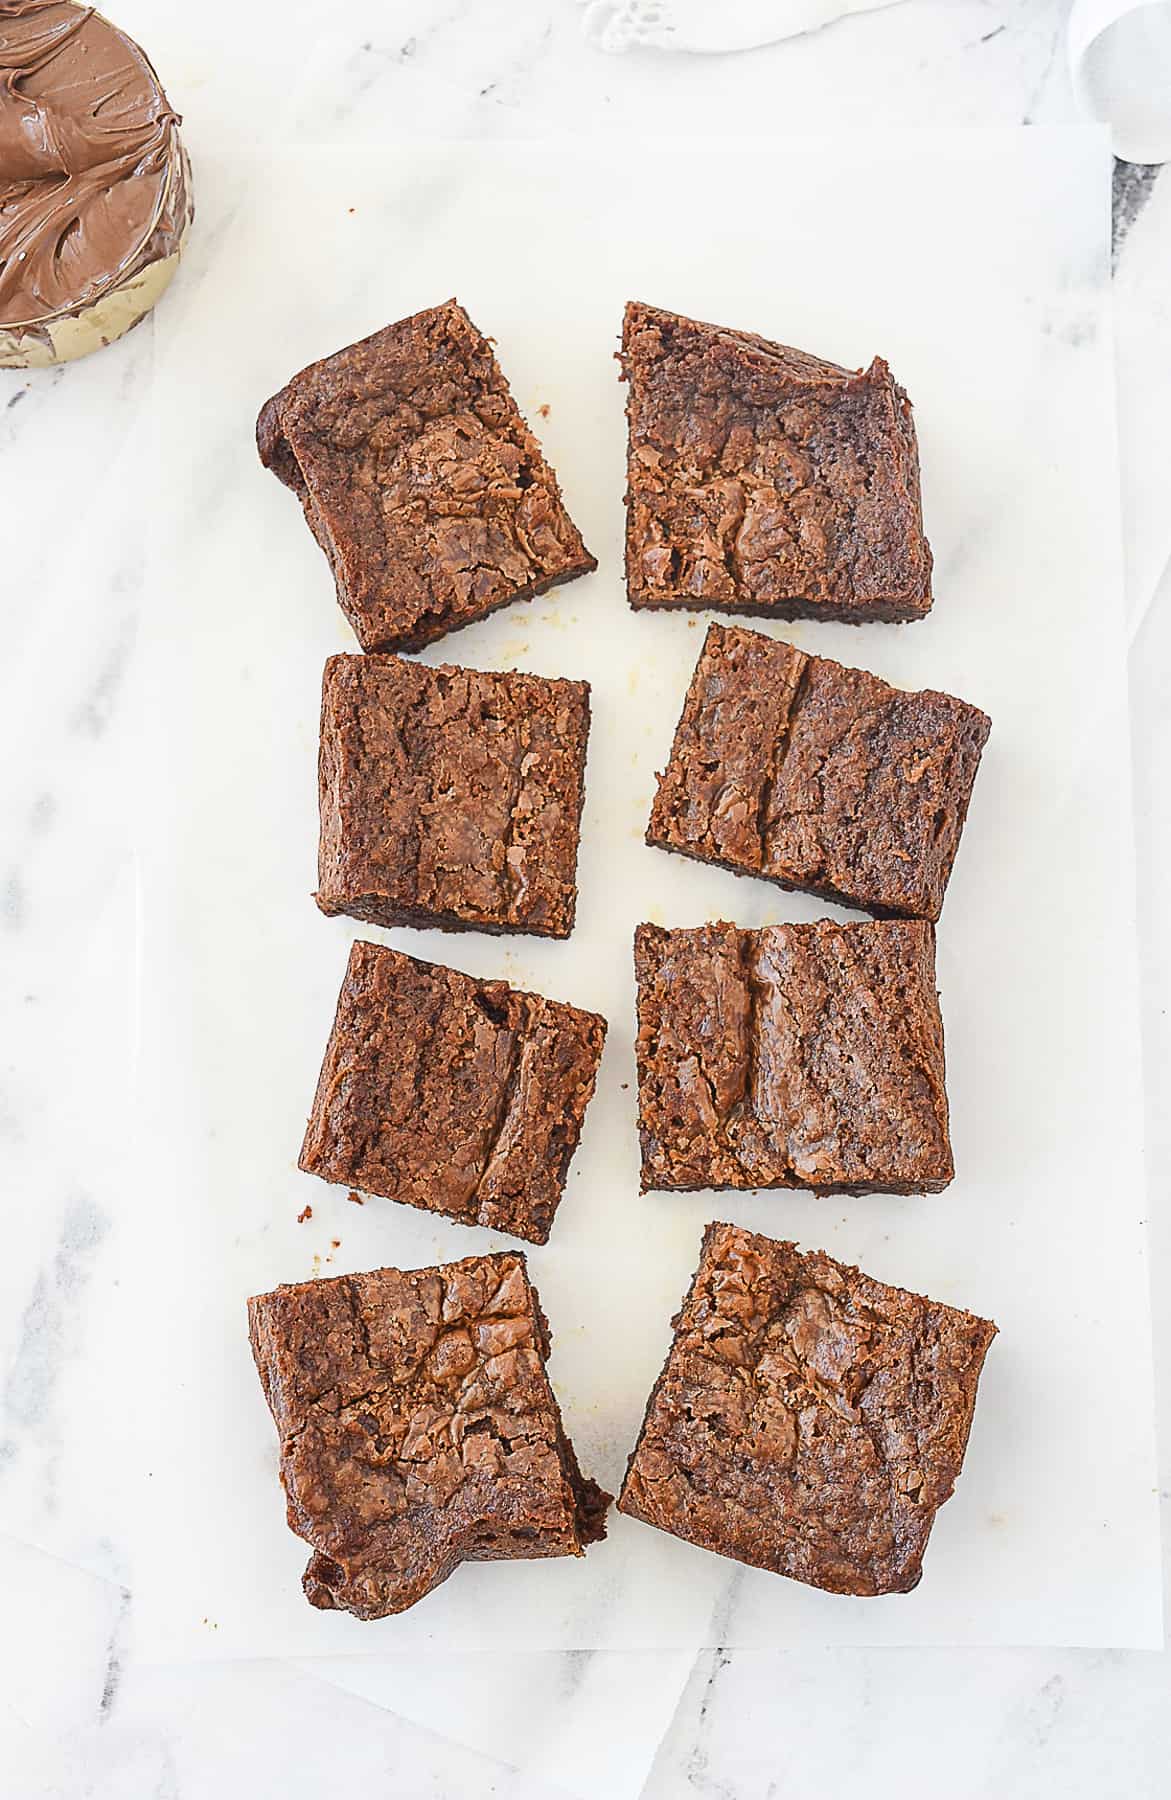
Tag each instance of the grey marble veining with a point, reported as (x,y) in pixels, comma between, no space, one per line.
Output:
(1134,184)
(981,1727)
(77,1717)
(36,1367)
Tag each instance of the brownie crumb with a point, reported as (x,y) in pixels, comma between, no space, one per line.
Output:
(355,1198)
(306,1212)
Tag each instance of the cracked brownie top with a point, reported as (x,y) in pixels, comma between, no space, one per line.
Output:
(420,480)
(418,1429)
(464,1097)
(808,1420)
(765,480)
(793,1056)
(449,796)
(818,776)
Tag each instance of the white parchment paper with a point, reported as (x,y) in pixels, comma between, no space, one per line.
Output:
(946,254)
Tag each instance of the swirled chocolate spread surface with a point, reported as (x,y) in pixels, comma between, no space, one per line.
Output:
(93,177)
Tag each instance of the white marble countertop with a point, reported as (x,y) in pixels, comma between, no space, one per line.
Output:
(77,1715)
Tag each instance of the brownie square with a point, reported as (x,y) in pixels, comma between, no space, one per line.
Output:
(809,1420)
(420,480)
(818,777)
(464,1097)
(796,1056)
(450,797)
(418,1429)
(764,480)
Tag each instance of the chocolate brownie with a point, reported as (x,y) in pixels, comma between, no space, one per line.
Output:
(806,1056)
(818,777)
(418,1429)
(809,1420)
(764,480)
(464,1097)
(450,797)
(420,480)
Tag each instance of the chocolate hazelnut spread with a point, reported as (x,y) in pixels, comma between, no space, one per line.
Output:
(94,182)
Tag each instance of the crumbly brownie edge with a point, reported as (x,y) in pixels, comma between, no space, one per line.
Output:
(900,1190)
(305,1159)
(371,909)
(762,738)
(832,895)
(591,1502)
(569,919)
(430,634)
(912,481)
(963,803)
(818,370)
(273,446)
(533,1236)
(867,612)
(277,454)
(563,1145)
(642,1070)
(623,1503)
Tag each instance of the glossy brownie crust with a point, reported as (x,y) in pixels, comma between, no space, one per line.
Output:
(818,777)
(808,1420)
(418,1429)
(450,797)
(420,480)
(796,1056)
(464,1097)
(767,481)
